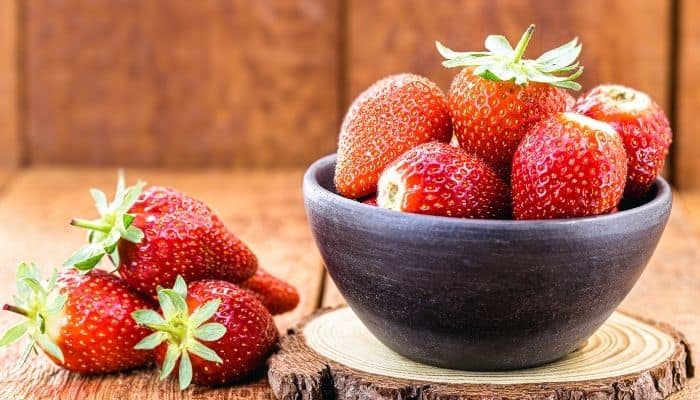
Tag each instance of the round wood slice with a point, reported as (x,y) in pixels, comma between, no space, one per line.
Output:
(332,355)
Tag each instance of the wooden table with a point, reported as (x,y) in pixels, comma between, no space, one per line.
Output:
(265,209)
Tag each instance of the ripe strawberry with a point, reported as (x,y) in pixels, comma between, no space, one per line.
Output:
(643,126)
(395,114)
(81,321)
(156,235)
(498,97)
(570,102)
(239,331)
(371,200)
(275,294)
(438,179)
(568,166)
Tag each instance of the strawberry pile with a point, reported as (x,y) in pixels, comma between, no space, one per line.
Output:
(189,294)
(507,141)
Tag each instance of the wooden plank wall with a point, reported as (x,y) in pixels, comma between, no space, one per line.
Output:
(390,36)
(181,83)
(9,100)
(178,83)
(687,144)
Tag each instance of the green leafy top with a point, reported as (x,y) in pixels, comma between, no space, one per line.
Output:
(113,225)
(40,304)
(557,67)
(182,331)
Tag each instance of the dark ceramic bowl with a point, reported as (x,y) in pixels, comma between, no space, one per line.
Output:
(480,294)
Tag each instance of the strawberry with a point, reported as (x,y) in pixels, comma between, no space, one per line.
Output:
(570,102)
(568,166)
(371,200)
(438,179)
(275,294)
(81,321)
(498,96)
(395,114)
(154,235)
(643,126)
(238,330)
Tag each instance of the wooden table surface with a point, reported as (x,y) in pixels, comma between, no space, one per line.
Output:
(264,209)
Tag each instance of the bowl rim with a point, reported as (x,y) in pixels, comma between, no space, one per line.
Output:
(664,196)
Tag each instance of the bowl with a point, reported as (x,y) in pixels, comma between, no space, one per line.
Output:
(481,295)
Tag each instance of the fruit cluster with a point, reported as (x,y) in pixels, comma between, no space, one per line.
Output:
(215,329)
(508,140)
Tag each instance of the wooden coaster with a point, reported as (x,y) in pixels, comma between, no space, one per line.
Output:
(332,355)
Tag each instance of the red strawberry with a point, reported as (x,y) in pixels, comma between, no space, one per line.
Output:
(643,126)
(81,321)
(276,295)
(238,330)
(438,179)
(395,114)
(570,102)
(156,235)
(498,97)
(371,200)
(568,166)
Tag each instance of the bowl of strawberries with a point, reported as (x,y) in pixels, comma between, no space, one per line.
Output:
(499,225)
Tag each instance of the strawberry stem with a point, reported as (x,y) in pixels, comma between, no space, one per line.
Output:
(15,309)
(522,44)
(94,225)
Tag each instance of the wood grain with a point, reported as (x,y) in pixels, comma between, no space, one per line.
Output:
(181,83)
(687,132)
(690,201)
(386,37)
(332,355)
(9,85)
(681,307)
(264,209)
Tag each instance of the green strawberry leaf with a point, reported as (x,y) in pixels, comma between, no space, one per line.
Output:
(185,373)
(180,287)
(166,305)
(147,317)
(114,257)
(204,352)
(50,347)
(204,312)
(13,334)
(210,332)
(567,85)
(86,257)
(55,304)
(133,234)
(100,200)
(151,341)
(177,300)
(498,44)
(25,354)
(172,354)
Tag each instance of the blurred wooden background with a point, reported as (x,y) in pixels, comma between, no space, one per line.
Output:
(246,83)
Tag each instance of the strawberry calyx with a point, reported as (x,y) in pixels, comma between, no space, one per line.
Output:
(391,190)
(105,232)
(41,305)
(502,62)
(181,330)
